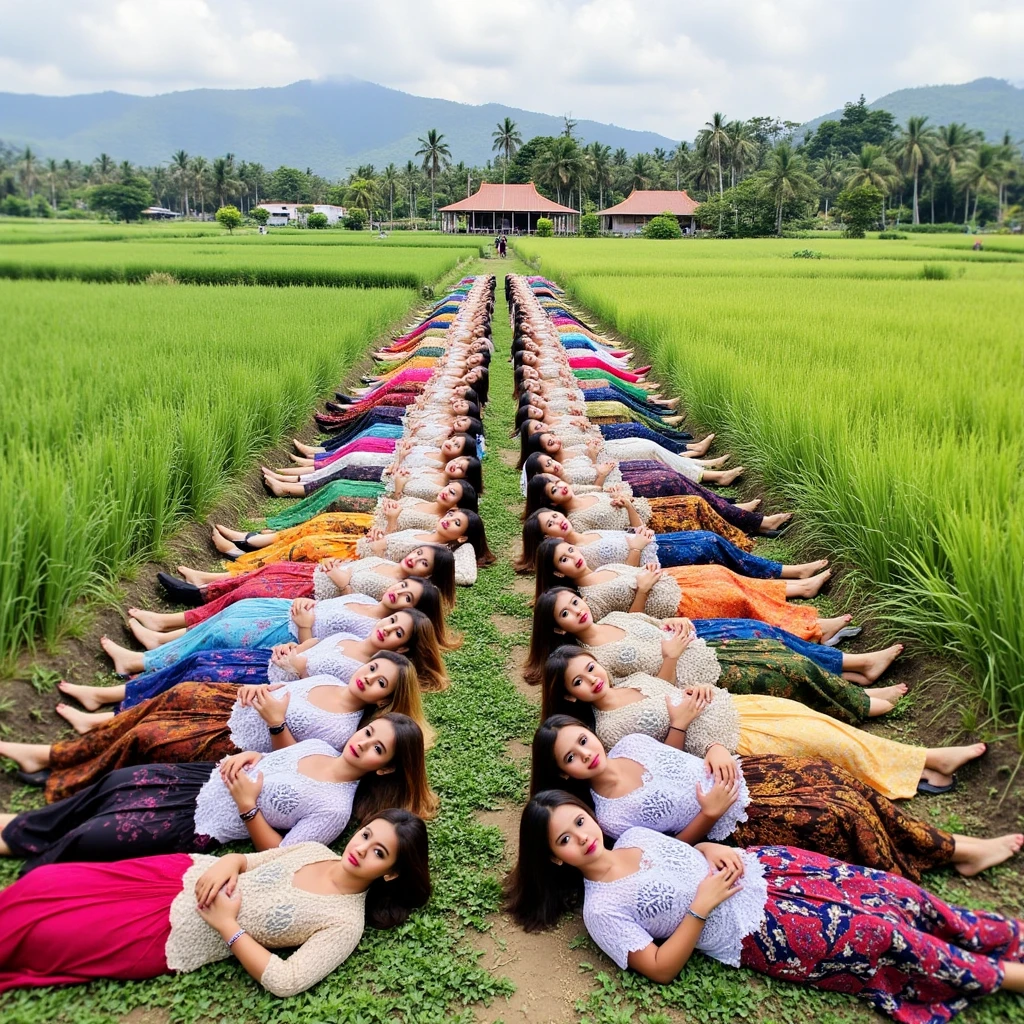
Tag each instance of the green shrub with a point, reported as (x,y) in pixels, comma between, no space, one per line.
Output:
(891,236)
(859,209)
(316,221)
(590,225)
(260,215)
(229,217)
(663,227)
(15,206)
(936,272)
(545,227)
(158,277)
(355,219)
(807,254)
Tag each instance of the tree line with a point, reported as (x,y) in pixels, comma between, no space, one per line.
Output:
(750,177)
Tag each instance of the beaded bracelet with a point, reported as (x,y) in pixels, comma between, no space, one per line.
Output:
(234,938)
(250,814)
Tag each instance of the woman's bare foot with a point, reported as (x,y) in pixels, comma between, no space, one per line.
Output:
(158,622)
(873,664)
(126,662)
(941,762)
(29,757)
(82,721)
(225,546)
(723,479)
(698,448)
(809,586)
(280,489)
(715,463)
(228,534)
(829,627)
(804,570)
(92,698)
(672,420)
(774,522)
(151,638)
(307,449)
(749,506)
(889,693)
(972,855)
(200,579)
(855,677)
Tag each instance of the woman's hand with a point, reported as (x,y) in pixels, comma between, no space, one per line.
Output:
(375,533)
(604,468)
(271,709)
(639,538)
(222,875)
(646,580)
(390,508)
(235,764)
(722,858)
(674,642)
(244,694)
(303,612)
(720,763)
(682,713)
(244,791)
(222,912)
(279,652)
(718,799)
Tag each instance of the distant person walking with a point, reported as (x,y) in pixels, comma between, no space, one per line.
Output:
(502,246)
(497,243)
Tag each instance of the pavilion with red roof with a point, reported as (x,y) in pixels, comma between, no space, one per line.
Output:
(630,216)
(508,209)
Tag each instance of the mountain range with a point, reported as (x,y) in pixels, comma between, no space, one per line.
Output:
(331,126)
(335,125)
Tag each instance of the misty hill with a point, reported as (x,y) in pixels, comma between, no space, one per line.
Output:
(329,126)
(990,104)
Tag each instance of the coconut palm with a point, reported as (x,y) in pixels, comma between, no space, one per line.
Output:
(388,180)
(27,171)
(956,145)
(915,150)
(680,161)
(436,154)
(620,158)
(222,177)
(829,175)
(507,140)
(714,139)
(182,170)
(642,172)
(559,164)
(599,159)
(786,178)
(52,176)
(872,167)
(982,173)
(362,194)
(199,168)
(742,150)
(104,167)
(1009,162)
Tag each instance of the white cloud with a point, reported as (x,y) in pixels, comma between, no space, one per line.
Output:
(656,64)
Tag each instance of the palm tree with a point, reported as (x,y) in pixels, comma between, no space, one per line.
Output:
(599,157)
(680,161)
(436,154)
(620,158)
(181,170)
(104,167)
(199,167)
(27,171)
(362,194)
(52,174)
(742,150)
(830,175)
(872,167)
(568,126)
(714,138)
(411,177)
(982,173)
(388,180)
(641,172)
(955,145)
(222,176)
(559,164)
(916,150)
(507,140)
(786,179)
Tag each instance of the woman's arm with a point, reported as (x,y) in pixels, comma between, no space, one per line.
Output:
(644,585)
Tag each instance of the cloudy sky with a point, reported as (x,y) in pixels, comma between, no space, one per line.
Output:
(664,65)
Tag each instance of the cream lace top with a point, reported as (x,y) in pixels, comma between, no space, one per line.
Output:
(277,914)
(640,651)
(602,515)
(616,595)
(627,915)
(612,546)
(410,517)
(401,543)
(363,580)
(717,723)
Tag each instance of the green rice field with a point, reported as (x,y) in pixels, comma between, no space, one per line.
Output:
(126,407)
(879,388)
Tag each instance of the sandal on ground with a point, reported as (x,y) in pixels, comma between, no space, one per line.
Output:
(846,633)
(929,789)
(33,778)
(186,593)
(243,544)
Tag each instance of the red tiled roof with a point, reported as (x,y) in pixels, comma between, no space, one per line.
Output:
(652,202)
(507,199)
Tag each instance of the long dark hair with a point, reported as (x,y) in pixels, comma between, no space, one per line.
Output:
(545,575)
(469,448)
(469,500)
(543,638)
(482,386)
(476,427)
(528,443)
(443,573)
(538,891)
(544,770)
(425,652)
(522,415)
(431,604)
(406,785)
(536,494)
(388,904)
(533,535)
(532,466)
(554,696)
(477,536)
(474,473)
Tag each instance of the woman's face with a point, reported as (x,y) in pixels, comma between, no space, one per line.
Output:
(461,424)
(419,562)
(392,633)
(460,406)
(535,412)
(571,613)
(570,562)
(573,836)
(551,466)
(585,679)
(550,444)
(405,594)
(535,427)
(475,374)
(456,468)
(453,525)
(537,399)
(529,359)
(578,752)
(452,447)
(374,682)
(450,495)
(554,524)
(371,853)
(372,748)
(558,492)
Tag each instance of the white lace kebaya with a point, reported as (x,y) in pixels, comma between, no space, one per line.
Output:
(666,799)
(307,810)
(627,915)
(336,616)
